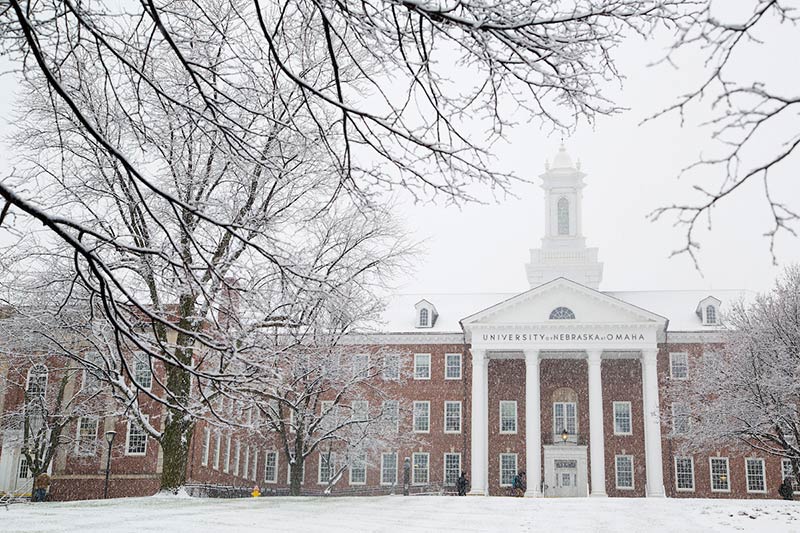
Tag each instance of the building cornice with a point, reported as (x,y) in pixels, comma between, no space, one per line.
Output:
(395,338)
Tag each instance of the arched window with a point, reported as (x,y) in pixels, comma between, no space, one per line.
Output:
(563,216)
(562,313)
(423,318)
(565,413)
(711,314)
(37,381)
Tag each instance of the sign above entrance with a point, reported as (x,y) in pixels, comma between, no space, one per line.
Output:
(565,337)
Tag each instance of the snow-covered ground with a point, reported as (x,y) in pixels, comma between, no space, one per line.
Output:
(397,513)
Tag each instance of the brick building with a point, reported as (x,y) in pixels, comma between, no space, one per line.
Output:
(564,381)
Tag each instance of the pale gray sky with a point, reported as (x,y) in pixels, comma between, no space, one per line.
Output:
(631,169)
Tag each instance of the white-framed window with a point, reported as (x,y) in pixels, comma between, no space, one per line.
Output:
(358,469)
(681,423)
(226,467)
(711,314)
(327,467)
(565,417)
(424,318)
(92,372)
(624,471)
(360,410)
(142,372)
(36,385)
(236,458)
(206,447)
(622,418)
(788,471)
(217,448)
(391,366)
(422,366)
(391,414)
(452,468)
(679,365)
(360,365)
(756,477)
(421,463)
(246,466)
(422,417)
(86,437)
(388,468)
(329,414)
(137,438)
(508,416)
(23,472)
(720,474)
(684,474)
(452,366)
(508,469)
(271,466)
(452,417)
(254,474)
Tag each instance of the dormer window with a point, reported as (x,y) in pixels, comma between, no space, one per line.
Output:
(425,314)
(562,313)
(711,314)
(708,311)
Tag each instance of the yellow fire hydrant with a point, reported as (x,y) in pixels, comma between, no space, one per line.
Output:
(256,492)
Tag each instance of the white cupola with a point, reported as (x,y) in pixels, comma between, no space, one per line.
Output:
(563,252)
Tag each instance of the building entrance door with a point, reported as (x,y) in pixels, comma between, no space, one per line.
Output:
(566,478)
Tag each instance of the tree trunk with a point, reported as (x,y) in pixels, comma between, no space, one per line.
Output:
(178,426)
(296,477)
(175,443)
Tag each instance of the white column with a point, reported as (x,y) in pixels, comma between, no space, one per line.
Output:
(652,424)
(480,424)
(533,425)
(596,437)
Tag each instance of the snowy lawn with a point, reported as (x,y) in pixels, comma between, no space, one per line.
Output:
(397,513)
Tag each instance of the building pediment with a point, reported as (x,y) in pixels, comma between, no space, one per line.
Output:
(560,304)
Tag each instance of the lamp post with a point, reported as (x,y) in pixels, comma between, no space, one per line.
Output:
(406,475)
(564,436)
(109,439)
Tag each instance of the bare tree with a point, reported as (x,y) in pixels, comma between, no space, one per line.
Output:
(53,405)
(746,392)
(172,148)
(341,403)
(753,122)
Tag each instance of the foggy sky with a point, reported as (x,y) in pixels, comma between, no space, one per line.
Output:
(632,169)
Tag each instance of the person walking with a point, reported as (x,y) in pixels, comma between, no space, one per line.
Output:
(461,483)
(785,490)
(519,485)
(40,486)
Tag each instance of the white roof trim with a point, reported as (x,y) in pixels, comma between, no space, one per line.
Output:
(648,316)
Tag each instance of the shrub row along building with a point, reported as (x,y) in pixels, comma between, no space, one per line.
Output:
(564,381)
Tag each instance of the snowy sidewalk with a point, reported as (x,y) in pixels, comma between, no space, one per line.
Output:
(397,513)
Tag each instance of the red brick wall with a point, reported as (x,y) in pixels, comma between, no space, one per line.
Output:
(83,477)
(622,382)
(506,382)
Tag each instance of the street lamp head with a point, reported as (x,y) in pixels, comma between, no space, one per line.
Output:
(110,436)
(564,435)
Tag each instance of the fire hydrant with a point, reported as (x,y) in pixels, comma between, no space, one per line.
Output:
(256,492)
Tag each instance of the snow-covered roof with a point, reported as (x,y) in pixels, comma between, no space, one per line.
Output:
(678,306)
